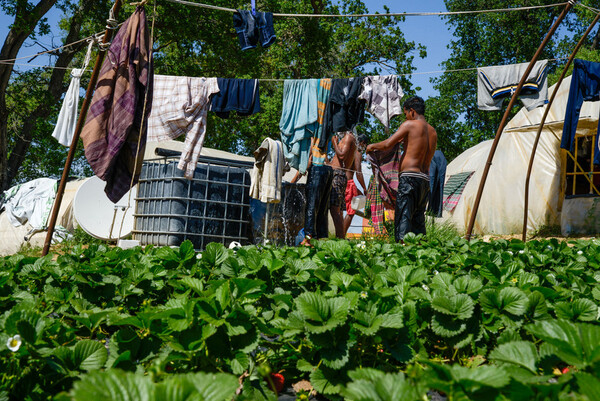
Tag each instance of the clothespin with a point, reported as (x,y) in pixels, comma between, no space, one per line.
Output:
(253,5)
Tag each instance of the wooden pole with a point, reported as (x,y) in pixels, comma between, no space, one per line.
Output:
(513,99)
(541,127)
(79,127)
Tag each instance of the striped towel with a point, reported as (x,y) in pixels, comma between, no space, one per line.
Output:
(453,189)
(112,128)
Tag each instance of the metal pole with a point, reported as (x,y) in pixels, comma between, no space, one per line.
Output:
(513,99)
(541,127)
(80,123)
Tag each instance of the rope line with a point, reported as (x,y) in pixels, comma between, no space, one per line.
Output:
(596,10)
(97,37)
(417,14)
(283,79)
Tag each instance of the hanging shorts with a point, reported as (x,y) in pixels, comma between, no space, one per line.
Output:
(351,192)
(411,203)
(338,189)
(252,30)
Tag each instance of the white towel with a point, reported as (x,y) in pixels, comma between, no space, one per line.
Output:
(267,174)
(67,118)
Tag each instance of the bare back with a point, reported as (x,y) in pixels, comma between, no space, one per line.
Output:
(419,146)
(347,148)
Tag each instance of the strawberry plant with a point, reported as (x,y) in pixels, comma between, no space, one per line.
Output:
(469,319)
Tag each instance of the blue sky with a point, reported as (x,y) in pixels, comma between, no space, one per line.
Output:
(429,31)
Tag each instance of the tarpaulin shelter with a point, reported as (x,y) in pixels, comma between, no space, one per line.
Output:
(553,199)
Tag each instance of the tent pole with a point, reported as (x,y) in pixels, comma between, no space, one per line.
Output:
(507,112)
(541,127)
(79,127)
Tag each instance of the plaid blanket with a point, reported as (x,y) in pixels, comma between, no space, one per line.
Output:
(374,209)
(112,128)
(386,170)
(454,187)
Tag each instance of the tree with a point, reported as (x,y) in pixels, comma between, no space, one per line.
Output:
(34,97)
(27,17)
(201,42)
(485,40)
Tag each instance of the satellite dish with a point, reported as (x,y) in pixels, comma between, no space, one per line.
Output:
(98,216)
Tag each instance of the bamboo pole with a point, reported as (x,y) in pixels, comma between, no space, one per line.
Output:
(513,99)
(541,127)
(80,123)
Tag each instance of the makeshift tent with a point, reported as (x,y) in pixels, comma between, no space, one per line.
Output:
(13,238)
(501,208)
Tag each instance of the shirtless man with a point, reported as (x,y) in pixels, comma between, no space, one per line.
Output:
(419,141)
(351,189)
(345,152)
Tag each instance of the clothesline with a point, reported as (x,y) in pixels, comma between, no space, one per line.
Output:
(414,14)
(284,79)
(96,37)
(596,10)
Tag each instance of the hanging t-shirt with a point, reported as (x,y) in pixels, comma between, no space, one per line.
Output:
(382,94)
(496,83)
(344,109)
(180,107)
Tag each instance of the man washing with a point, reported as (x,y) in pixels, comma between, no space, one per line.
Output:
(419,140)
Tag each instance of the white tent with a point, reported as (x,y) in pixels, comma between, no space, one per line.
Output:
(501,207)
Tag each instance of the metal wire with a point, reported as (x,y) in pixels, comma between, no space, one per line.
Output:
(418,14)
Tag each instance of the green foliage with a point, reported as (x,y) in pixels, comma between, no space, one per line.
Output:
(322,314)
(125,386)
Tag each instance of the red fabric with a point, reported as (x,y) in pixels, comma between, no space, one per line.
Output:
(351,192)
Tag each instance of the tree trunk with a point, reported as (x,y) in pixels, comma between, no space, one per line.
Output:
(25,22)
(55,90)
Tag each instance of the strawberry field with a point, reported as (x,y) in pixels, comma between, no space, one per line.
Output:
(458,319)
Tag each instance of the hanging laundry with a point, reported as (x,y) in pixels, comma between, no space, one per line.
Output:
(382,94)
(267,174)
(113,125)
(498,82)
(374,208)
(386,169)
(241,95)
(454,188)
(383,187)
(344,109)
(67,118)
(179,107)
(252,29)
(323,93)
(437,176)
(298,120)
(585,86)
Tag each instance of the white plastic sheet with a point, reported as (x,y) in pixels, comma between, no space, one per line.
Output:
(501,207)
